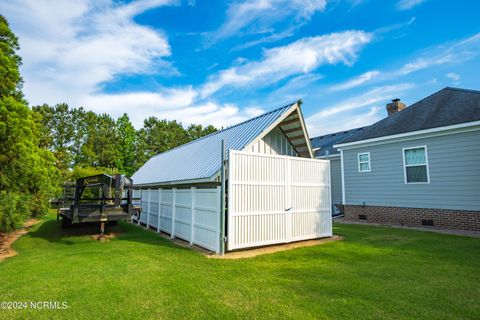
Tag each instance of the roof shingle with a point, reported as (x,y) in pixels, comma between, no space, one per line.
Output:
(446,107)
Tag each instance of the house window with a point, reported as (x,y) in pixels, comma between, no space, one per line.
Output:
(415,161)
(364,162)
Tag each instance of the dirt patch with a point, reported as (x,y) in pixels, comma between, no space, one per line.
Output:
(106,236)
(247,253)
(250,253)
(6,240)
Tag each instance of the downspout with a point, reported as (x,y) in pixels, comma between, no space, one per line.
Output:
(222,199)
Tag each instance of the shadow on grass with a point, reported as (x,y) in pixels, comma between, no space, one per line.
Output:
(52,231)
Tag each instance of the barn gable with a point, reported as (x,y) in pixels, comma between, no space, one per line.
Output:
(280,131)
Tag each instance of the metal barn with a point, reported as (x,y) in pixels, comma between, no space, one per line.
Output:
(249,185)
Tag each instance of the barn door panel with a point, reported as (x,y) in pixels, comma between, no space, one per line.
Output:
(257,200)
(276,199)
(310,197)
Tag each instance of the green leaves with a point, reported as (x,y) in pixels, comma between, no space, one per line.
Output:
(83,140)
(11,84)
(42,147)
(28,176)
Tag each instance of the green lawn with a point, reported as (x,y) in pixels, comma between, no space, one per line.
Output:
(373,273)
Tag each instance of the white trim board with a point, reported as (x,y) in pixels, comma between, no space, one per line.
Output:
(336,155)
(343,177)
(421,134)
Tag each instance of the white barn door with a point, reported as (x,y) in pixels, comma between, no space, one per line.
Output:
(276,199)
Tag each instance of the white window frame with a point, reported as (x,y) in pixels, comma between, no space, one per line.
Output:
(416,165)
(359,162)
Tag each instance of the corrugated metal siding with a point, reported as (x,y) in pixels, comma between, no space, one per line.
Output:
(454,166)
(274,142)
(336,180)
(201,158)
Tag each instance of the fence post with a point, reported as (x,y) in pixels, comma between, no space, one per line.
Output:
(223,195)
(148,209)
(159,213)
(193,190)
(174,200)
(219,232)
(140,214)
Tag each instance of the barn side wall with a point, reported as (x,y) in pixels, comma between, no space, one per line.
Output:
(191,214)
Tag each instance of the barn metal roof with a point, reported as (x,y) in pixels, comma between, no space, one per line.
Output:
(200,160)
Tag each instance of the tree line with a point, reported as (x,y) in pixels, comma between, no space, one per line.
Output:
(43,146)
(83,142)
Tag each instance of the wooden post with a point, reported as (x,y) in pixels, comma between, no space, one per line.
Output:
(193,190)
(159,208)
(174,200)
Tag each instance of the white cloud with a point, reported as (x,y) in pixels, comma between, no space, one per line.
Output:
(424,63)
(346,122)
(299,57)
(341,114)
(69,49)
(170,104)
(455,77)
(408,4)
(140,105)
(259,16)
(209,113)
(456,52)
(355,82)
(296,88)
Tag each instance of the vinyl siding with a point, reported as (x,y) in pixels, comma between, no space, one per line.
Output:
(276,143)
(454,167)
(336,180)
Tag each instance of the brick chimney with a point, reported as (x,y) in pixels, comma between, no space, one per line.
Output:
(395,106)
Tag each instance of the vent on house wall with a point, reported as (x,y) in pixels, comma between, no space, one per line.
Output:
(428,223)
(362,216)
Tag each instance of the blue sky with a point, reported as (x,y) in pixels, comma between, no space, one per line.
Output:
(221,62)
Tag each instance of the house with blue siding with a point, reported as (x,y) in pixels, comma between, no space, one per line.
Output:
(418,167)
(323,149)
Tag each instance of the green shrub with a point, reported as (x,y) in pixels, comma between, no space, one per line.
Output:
(14,210)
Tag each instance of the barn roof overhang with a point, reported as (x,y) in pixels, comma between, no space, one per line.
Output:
(292,125)
(199,161)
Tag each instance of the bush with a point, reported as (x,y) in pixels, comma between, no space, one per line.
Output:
(14,210)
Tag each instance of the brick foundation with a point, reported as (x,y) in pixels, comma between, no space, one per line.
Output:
(412,217)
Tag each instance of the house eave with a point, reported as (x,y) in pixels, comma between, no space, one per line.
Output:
(420,134)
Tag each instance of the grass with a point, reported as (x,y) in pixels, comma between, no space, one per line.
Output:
(375,272)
